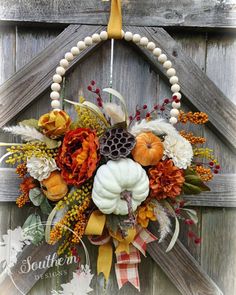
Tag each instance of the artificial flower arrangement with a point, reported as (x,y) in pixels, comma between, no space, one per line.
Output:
(107,175)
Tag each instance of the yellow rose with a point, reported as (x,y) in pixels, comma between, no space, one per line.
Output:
(55,124)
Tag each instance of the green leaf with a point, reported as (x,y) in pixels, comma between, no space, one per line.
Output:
(36,196)
(45,207)
(33,228)
(30,123)
(193,184)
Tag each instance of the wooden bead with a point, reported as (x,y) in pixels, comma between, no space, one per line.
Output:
(176,105)
(57,78)
(175,88)
(143,41)
(173,120)
(60,71)
(174,113)
(171,72)
(128,36)
(167,64)
(54,95)
(56,87)
(74,50)
(174,80)
(104,35)
(55,104)
(96,38)
(151,46)
(81,45)
(162,58)
(64,63)
(157,51)
(136,38)
(88,41)
(69,56)
(177,94)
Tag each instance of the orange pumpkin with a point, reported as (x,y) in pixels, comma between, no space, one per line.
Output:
(148,149)
(54,187)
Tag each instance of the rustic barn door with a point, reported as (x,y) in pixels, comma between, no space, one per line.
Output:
(138,78)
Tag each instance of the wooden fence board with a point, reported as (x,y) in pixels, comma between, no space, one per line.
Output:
(189,278)
(33,79)
(210,14)
(195,85)
(222,194)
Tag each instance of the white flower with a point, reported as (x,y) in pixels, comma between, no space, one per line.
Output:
(178,149)
(41,168)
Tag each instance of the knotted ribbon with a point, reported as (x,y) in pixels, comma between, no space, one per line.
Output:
(127,251)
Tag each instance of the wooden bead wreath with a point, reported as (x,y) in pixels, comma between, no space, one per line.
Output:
(128,36)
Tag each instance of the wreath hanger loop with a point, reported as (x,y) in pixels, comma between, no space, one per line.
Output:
(114,28)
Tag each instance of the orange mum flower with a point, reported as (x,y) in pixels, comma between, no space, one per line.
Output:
(166,180)
(78,156)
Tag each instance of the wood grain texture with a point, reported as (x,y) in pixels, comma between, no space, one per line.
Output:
(218,225)
(198,89)
(33,79)
(197,13)
(190,279)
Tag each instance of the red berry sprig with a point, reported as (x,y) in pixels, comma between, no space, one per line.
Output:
(96,91)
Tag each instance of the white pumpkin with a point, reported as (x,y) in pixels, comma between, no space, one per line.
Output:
(116,177)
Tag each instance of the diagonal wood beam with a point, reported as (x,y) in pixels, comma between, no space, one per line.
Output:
(222,194)
(181,268)
(33,79)
(195,85)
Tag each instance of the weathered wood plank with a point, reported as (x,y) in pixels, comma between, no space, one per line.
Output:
(222,194)
(21,283)
(195,85)
(33,79)
(210,14)
(181,268)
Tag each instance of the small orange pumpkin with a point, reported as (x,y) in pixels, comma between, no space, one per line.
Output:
(148,149)
(54,187)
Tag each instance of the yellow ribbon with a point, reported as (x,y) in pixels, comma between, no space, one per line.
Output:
(124,243)
(115,21)
(104,261)
(95,226)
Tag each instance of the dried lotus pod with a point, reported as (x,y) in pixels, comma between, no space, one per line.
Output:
(116,143)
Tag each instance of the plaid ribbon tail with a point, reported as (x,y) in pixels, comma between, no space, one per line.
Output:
(142,239)
(127,267)
(127,273)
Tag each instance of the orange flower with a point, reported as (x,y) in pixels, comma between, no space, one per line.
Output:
(145,214)
(55,124)
(78,156)
(166,180)
(27,184)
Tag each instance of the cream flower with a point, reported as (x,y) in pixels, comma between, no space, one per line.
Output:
(178,149)
(41,168)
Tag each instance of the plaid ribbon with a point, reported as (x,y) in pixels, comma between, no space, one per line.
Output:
(141,240)
(127,263)
(127,267)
